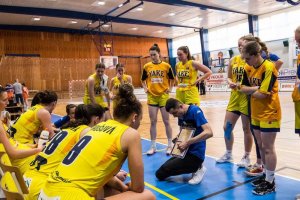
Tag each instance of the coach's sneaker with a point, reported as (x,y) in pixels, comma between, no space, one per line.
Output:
(264,188)
(151,151)
(258,181)
(245,162)
(255,170)
(297,197)
(225,158)
(168,150)
(197,176)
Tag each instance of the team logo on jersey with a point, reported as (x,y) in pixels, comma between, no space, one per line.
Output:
(157,73)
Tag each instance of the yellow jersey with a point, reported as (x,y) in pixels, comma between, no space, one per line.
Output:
(265,76)
(237,65)
(157,77)
(186,75)
(26,126)
(94,160)
(56,150)
(100,86)
(116,83)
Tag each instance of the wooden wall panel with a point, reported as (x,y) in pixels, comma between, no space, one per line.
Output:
(65,57)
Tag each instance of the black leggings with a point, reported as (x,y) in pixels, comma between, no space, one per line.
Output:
(176,166)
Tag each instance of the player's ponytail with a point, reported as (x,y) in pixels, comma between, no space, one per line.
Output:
(127,103)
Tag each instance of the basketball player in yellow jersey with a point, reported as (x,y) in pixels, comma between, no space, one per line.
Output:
(99,155)
(296,92)
(96,87)
(46,161)
(11,147)
(237,106)
(186,74)
(260,81)
(157,80)
(36,117)
(116,81)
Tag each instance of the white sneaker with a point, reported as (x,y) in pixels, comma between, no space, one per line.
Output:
(168,151)
(297,197)
(245,162)
(225,158)
(197,176)
(151,151)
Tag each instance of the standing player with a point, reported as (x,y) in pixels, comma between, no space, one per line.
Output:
(189,116)
(96,87)
(237,107)
(260,81)
(186,73)
(99,155)
(296,92)
(157,80)
(118,80)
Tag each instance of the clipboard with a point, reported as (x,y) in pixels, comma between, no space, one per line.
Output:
(184,135)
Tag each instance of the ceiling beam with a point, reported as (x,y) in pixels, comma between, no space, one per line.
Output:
(191,4)
(62,30)
(48,12)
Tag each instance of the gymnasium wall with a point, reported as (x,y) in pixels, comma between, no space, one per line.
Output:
(65,57)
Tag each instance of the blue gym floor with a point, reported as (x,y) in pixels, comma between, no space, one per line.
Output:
(221,181)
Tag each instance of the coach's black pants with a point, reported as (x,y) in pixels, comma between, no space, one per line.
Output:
(176,166)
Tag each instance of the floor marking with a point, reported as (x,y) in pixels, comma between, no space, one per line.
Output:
(159,190)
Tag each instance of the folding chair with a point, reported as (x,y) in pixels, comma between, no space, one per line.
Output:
(6,166)
(10,187)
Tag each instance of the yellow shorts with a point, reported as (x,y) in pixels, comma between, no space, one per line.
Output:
(34,183)
(297,117)
(55,192)
(24,163)
(238,103)
(159,101)
(188,96)
(266,126)
(99,100)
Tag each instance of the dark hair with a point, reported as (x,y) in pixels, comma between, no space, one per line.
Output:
(172,103)
(119,65)
(186,50)
(84,114)
(127,102)
(155,48)
(69,107)
(44,97)
(252,48)
(100,65)
(251,38)
(23,84)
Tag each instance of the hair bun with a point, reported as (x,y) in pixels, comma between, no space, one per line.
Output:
(155,45)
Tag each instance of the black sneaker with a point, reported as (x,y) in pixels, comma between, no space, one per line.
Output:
(258,181)
(264,188)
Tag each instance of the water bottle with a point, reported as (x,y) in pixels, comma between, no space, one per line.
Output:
(44,137)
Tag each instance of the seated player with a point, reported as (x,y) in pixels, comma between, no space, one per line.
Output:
(86,116)
(70,110)
(99,155)
(189,116)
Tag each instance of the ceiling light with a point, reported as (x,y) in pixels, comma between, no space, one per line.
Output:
(172,14)
(133,29)
(159,31)
(73,22)
(36,19)
(120,5)
(100,3)
(199,18)
(106,25)
(139,9)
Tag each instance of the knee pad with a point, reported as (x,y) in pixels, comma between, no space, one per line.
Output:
(228,130)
